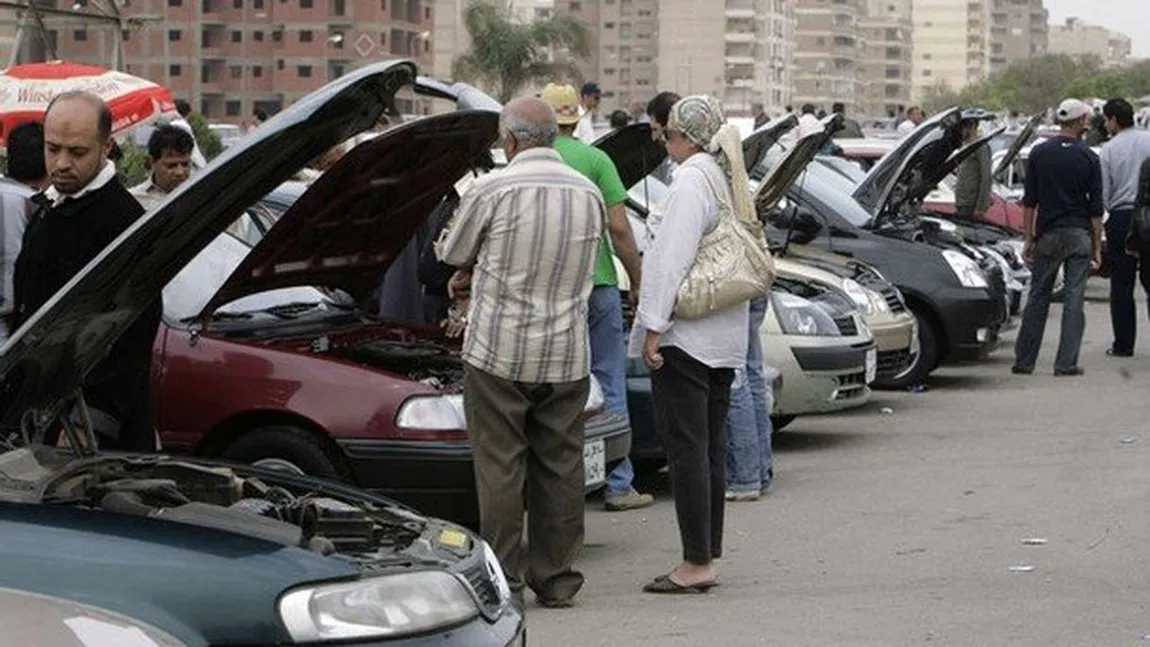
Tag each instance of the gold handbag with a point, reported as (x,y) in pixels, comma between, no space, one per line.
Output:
(733,264)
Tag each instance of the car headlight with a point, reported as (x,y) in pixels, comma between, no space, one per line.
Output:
(379,607)
(444,412)
(860,296)
(965,269)
(797,316)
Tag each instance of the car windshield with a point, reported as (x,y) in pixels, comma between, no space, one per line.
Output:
(189,292)
(830,191)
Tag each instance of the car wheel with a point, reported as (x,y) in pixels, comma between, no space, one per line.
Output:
(922,362)
(288,449)
(779,423)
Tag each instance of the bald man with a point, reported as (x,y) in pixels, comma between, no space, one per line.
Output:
(82,211)
(528,234)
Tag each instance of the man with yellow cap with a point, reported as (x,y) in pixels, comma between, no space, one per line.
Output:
(605,308)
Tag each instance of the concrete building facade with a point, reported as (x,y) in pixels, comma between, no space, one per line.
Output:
(829,53)
(951,42)
(1078,39)
(888,58)
(229,57)
(1018,31)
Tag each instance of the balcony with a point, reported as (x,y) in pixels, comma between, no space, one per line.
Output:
(741,37)
(739,12)
(735,59)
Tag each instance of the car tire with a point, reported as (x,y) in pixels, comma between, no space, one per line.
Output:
(926,361)
(779,423)
(291,445)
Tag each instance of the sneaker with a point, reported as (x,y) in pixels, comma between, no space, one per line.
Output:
(750,495)
(629,501)
(1022,370)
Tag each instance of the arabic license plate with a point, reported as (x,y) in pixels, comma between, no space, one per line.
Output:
(594,463)
(871,365)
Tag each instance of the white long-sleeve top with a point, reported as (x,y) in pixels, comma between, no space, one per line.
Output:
(720,339)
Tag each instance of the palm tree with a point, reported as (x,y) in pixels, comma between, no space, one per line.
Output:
(506,55)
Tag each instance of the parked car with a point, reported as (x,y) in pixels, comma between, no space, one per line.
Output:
(267,357)
(958,308)
(213,554)
(46,621)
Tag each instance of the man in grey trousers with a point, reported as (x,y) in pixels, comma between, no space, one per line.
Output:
(1062,209)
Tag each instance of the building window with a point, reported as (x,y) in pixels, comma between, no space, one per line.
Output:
(280,64)
(926,56)
(257,71)
(237,36)
(175,3)
(175,70)
(208,6)
(305,4)
(238,4)
(576,7)
(258,36)
(339,7)
(258,4)
(305,36)
(80,35)
(926,72)
(233,108)
(277,36)
(205,74)
(304,71)
(236,71)
(174,35)
(383,6)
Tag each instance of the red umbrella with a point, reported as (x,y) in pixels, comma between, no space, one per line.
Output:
(26,90)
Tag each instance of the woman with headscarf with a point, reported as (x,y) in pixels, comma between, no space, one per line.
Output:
(693,361)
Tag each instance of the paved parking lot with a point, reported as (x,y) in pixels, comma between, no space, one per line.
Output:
(900,527)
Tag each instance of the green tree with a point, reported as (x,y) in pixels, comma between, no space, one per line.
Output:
(506,55)
(208,141)
(133,166)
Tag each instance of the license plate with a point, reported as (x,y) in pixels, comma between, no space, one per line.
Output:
(594,463)
(871,365)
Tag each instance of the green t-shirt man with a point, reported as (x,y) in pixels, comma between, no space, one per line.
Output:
(596,166)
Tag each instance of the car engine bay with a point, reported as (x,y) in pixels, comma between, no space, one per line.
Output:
(263,506)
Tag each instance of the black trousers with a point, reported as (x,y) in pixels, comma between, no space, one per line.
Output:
(691,402)
(1125,270)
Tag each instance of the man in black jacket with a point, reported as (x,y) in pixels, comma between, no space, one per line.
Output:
(83,211)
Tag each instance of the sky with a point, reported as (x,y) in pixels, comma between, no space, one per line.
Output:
(1121,15)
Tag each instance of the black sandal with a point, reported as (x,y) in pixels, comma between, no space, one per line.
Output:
(664,584)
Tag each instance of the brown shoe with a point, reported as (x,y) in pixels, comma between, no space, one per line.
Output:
(629,501)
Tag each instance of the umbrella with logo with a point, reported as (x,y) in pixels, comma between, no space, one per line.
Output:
(26,90)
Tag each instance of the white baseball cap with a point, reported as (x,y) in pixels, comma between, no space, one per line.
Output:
(1071,110)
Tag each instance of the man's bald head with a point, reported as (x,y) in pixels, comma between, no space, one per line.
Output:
(527,123)
(77,137)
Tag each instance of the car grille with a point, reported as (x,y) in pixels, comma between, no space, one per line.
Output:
(847,325)
(894,299)
(484,587)
(891,361)
(850,386)
(997,289)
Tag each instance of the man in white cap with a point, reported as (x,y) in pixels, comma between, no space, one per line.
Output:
(1062,209)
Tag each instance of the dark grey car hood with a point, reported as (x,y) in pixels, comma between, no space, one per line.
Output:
(1017,145)
(784,173)
(43,365)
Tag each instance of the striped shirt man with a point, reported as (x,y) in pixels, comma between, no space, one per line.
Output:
(1121,161)
(532,231)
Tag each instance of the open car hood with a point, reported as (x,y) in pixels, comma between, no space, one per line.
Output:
(784,173)
(43,365)
(759,143)
(1016,147)
(932,142)
(635,153)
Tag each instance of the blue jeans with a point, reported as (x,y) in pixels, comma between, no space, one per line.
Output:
(1069,248)
(609,366)
(750,461)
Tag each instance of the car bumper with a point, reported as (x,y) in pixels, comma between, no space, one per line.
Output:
(971,317)
(438,478)
(819,375)
(894,336)
(508,631)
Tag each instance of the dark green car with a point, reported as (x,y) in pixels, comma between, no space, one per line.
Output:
(214,554)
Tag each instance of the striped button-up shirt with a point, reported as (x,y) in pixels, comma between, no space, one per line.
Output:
(530,232)
(1121,161)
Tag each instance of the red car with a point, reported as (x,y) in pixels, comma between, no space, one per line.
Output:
(254,364)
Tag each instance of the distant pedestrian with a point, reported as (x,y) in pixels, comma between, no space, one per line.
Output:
(1062,210)
(589,95)
(639,113)
(659,109)
(760,115)
(77,217)
(1121,159)
(1097,134)
(915,115)
(851,128)
(619,119)
(26,176)
(972,186)
(693,361)
(526,239)
(605,307)
(809,121)
(185,111)
(169,165)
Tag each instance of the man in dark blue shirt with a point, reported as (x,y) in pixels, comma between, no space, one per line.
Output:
(1062,208)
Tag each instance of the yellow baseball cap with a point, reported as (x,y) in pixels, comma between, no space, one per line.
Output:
(564,100)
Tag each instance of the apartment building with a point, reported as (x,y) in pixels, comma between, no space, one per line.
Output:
(829,53)
(1018,31)
(887,58)
(737,50)
(1078,39)
(951,40)
(7,41)
(229,57)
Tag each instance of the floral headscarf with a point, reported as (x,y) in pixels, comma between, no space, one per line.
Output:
(701,120)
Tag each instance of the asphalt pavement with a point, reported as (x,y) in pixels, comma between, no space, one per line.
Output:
(992,509)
